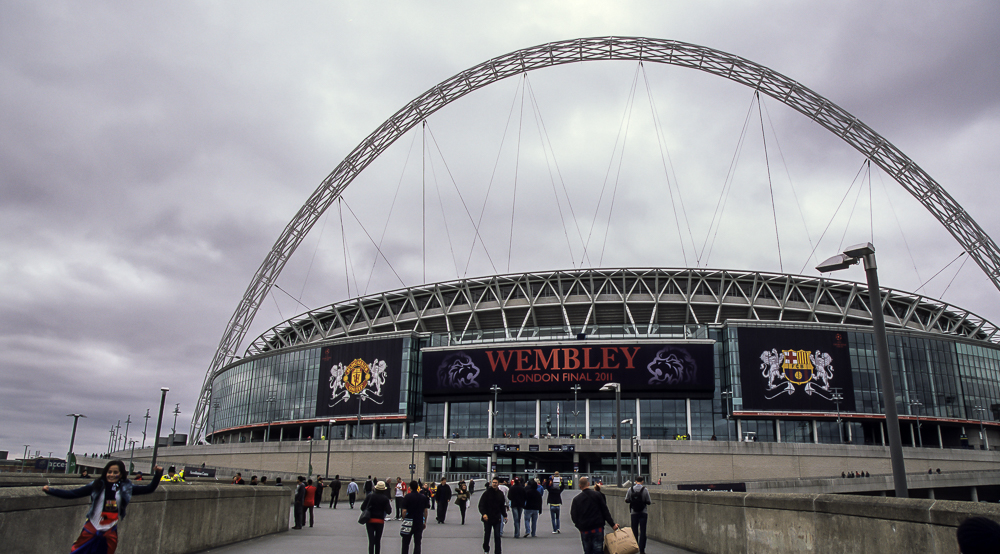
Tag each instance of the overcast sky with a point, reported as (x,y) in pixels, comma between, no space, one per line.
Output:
(152,153)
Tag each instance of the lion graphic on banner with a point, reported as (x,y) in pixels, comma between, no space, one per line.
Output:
(458,371)
(672,366)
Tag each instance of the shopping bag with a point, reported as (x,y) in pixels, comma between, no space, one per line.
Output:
(621,541)
(366,516)
(407,529)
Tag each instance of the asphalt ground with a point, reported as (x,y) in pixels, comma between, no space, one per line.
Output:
(338,531)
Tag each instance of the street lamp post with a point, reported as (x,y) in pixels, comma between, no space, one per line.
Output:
(118,435)
(310,439)
(215,415)
(631,451)
(983,439)
(131,466)
(496,391)
(329,429)
(159,423)
(726,396)
(917,404)
(413,456)
(111,439)
(70,459)
(147,416)
(576,412)
(173,430)
(866,252)
(25,457)
(270,416)
(617,387)
(447,465)
(127,422)
(837,397)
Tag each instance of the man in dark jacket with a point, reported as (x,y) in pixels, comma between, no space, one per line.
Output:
(300,496)
(369,486)
(516,498)
(638,498)
(335,491)
(320,485)
(589,512)
(443,495)
(493,506)
(415,506)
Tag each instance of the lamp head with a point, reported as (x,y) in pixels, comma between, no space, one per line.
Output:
(836,263)
(610,387)
(860,250)
(164,389)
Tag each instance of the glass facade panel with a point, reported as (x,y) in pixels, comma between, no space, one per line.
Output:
(469,419)
(602,417)
(800,430)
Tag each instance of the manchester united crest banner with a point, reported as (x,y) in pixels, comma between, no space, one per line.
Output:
(363,375)
(795,369)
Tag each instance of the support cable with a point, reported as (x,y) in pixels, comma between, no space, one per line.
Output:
(517,163)
(458,191)
(611,162)
(388,217)
(953,278)
(312,259)
(292,297)
(543,137)
(379,250)
(489,188)
(834,215)
(664,157)
(343,236)
(727,185)
(850,217)
(444,216)
(770,185)
(925,283)
(788,175)
(913,261)
(423,196)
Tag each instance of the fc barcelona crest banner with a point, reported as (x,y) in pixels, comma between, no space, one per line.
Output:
(795,369)
(363,375)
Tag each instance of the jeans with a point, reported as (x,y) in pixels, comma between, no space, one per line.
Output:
(351,496)
(442,511)
(639,529)
(375,537)
(531,522)
(515,514)
(593,543)
(300,515)
(417,535)
(494,528)
(554,510)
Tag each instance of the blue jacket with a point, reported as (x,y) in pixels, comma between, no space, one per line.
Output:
(96,487)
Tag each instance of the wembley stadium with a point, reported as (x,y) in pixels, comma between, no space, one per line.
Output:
(711,376)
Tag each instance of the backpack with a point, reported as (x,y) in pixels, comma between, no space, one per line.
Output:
(636,502)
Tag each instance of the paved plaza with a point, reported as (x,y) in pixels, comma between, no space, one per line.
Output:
(338,531)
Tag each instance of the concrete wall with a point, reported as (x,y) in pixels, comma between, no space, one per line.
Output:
(176,519)
(725,522)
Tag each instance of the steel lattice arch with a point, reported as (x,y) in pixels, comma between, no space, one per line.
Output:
(848,128)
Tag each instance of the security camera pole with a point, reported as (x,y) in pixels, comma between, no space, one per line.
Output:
(866,252)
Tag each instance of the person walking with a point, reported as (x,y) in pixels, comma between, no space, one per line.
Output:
(555,504)
(532,507)
(493,507)
(110,495)
(401,491)
(638,498)
(335,491)
(589,512)
(297,502)
(462,498)
(516,498)
(319,491)
(352,492)
(415,506)
(443,496)
(379,508)
(309,502)
(369,485)
(504,489)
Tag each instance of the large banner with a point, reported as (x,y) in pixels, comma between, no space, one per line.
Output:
(556,368)
(794,369)
(363,375)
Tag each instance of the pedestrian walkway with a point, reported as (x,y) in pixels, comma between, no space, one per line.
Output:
(338,531)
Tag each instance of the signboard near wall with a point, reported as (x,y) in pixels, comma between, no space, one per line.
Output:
(794,369)
(644,367)
(363,375)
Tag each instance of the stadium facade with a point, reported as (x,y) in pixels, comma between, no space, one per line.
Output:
(700,355)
